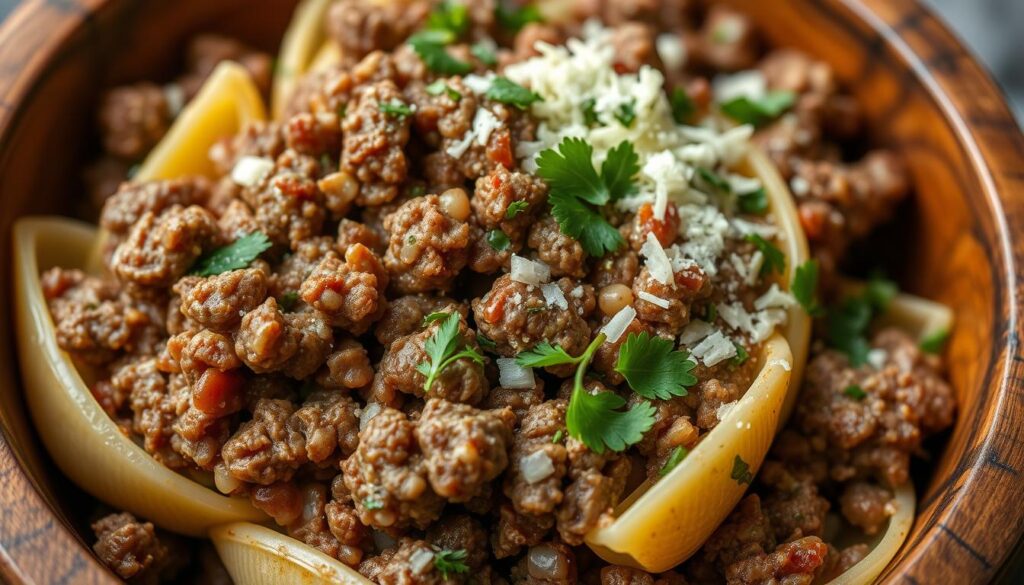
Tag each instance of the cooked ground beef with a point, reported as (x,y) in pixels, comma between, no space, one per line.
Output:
(127,546)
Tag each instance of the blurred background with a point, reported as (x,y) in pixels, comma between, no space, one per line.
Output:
(993,29)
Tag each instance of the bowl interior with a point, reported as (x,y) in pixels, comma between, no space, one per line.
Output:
(951,243)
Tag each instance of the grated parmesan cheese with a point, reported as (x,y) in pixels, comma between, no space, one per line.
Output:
(671,50)
(617,325)
(250,170)
(695,331)
(774,297)
(553,296)
(877,358)
(654,300)
(715,349)
(657,261)
(528,271)
(749,84)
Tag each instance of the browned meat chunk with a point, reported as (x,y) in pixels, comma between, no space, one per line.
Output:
(427,247)
(349,293)
(540,491)
(287,204)
(362,27)
(122,209)
(866,506)
(127,546)
(347,367)
(266,449)
(296,344)
(688,285)
(133,118)
(160,249)
(405,314)
(373,147)
(563,254)
(220,301)
(508,201)
(794,563)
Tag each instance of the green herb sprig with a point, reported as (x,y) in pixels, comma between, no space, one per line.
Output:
(234,256)
(442,349)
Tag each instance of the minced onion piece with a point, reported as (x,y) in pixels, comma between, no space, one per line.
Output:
(420,560)
(513,375)
(527,271)
(553,296)
(617,325)
(654,300)
(371,410)
(536,466)
(657,260)
(250,170)
(225,482)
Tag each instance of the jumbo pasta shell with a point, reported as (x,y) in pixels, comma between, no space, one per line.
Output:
(83,441)
(224,104)
(257,555)
(302,42)
(888,542)
(663,522)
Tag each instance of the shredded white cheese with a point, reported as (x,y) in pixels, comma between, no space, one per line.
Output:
(553,296)
(654,300)
(877,358)
(715,349)
(695,331)
(250,170)
(671,50)
(528,271)
(617,325)
(774,298)
(748,84)
(513,375)
(657,261)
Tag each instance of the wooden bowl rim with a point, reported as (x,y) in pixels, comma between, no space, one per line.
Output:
(980,134)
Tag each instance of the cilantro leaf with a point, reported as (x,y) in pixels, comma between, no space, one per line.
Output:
(653,368)
(288,301)
(435,316)
(935,341)
(486,343)
(449,16)
(619,170)
(847,323)
(441,349)
(395,108)
(544,354)
(595,419)
(741,356)
(439,87)
(713,180)
(683,107)
(234,256)
(514,18)
(758,111)
(674,458)
(370,504)
(485,54)
(448,562)
(578,221)
(755,202)
(590,112)
(570,170)
(430,45)
(774,259)
(805,287)
(498,240)
(626,113)
(879,292)
(741,471)
(558,436)
(855,392)
(515,208)
(506,91)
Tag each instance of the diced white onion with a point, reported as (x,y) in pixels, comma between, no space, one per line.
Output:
(617,325)
(672,51)
(484,122)
(749,84)
(553,296)
(715,349)
(459,148)
(774,297)
(478,84)
(528,271)
(536,466)
(420,559)
(250,170)
(513,375)
(654,300)
(369,411)
(657,261)
(877,358)
(695,331)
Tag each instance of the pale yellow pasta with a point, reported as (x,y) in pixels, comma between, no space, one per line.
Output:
(257,555)
(302,42)
(888,542)
(83,441)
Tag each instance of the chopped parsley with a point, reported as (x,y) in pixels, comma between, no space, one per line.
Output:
(653,368)
(674,458)
(847,323)
(449,562)
(498,240)
(485,54)
(589,112)
(741,356)
(514,17)
(626,113)
(713,180)
(683,107)
(288,301)
(439,87)
(558,436)
(234,256)
(515,208)
(741,471)
(395,108)
(449,16)
(431,46)
(805,287)
(486,343)
(506,91)
(855,392)
(774,259)
(754,203)
(575,187)
(935,341)
(370,504)
(442,349)
(436,316)
(595,419)
(758,111)
(711,313)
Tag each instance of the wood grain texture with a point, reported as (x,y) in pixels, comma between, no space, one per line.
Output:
(962,242)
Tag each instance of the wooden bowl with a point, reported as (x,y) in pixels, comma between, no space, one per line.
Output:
(960,239)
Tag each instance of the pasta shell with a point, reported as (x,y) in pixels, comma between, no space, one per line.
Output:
(257,555)
(83,441)
(888,542)
(227,100)
(300,45)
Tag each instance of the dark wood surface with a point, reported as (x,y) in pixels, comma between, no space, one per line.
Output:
(962,243)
